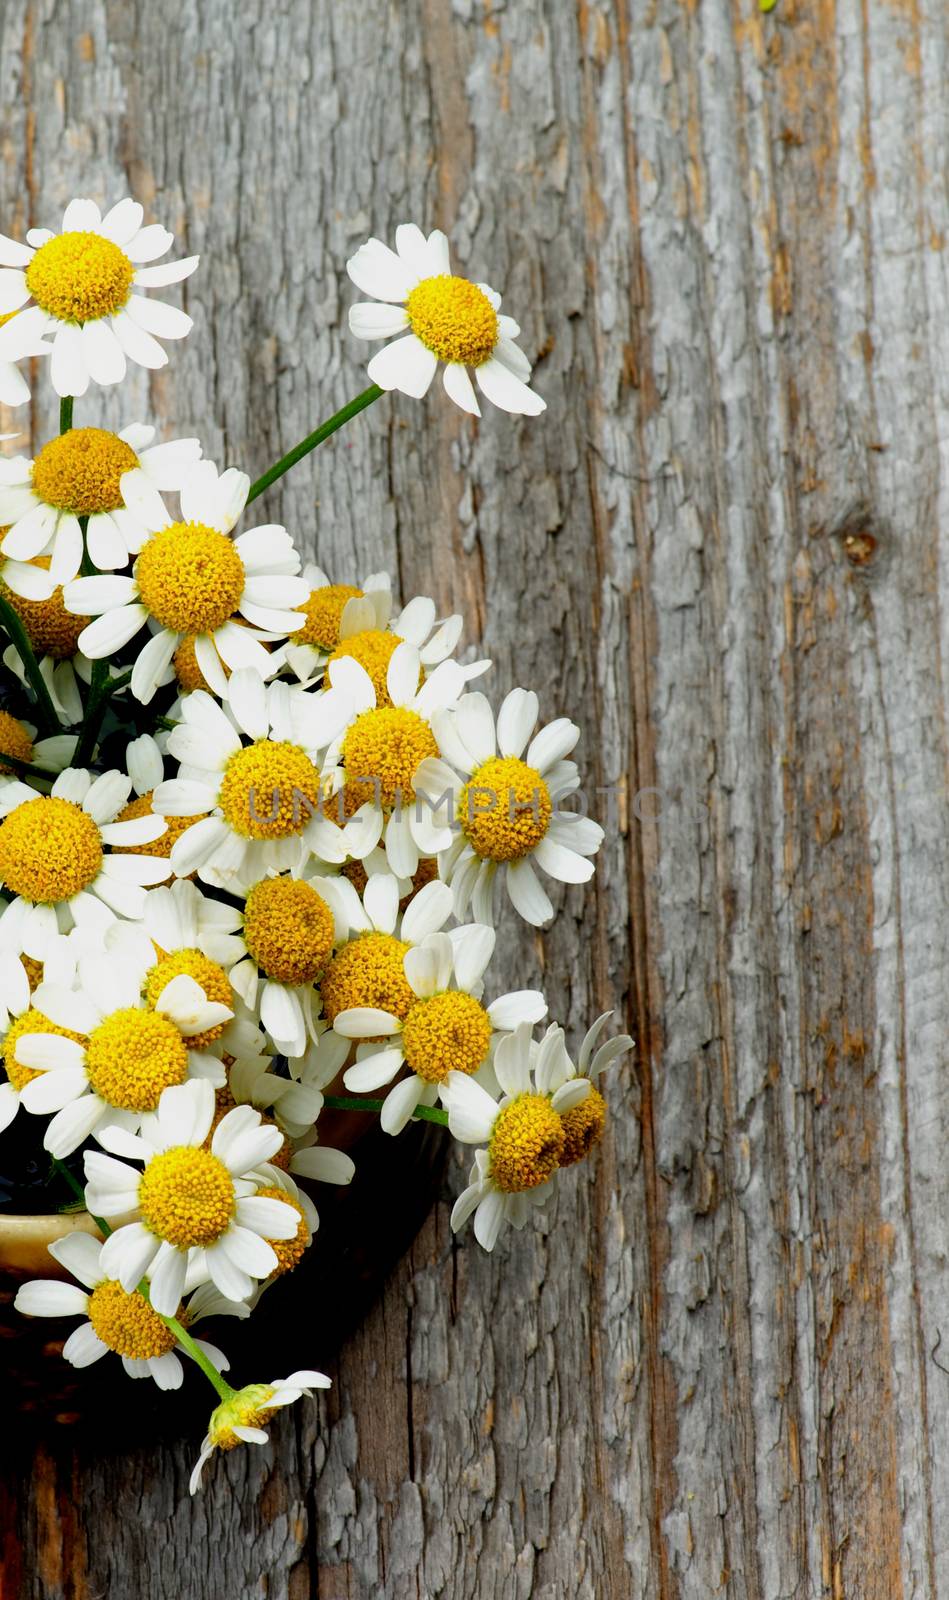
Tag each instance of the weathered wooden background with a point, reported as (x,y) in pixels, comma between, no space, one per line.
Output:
(717,1369)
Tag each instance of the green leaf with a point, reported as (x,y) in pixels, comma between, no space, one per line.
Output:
(767,5)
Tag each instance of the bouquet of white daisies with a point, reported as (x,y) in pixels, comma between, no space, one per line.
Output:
(253,828)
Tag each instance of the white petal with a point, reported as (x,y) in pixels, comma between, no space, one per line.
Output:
(400,1104)
(523,1005)
(370,319)
(378,271)
(44,1297)
(527,896)
(138,345)
(499,384)
(171,272)
(371,1073)
(459,387)
(405,365)
(157,318)
(104,356)
(366,1022)
(67,369)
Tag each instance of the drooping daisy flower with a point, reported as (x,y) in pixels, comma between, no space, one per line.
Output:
(583,1123)
(18,741)
(440,317)
(18,1015)
(79,288)
(259,803)
(112,479)
(366,977)
(118,1319)
(55,853)
(130,1050)
(445,1030)
(189,1198)
(506,813)
(17,344)
(329,608)
(382,748)
(240,1419)
(523,1132)
(289,933)
(191,578)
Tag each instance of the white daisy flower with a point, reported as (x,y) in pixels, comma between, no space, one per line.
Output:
(116,1319)
(182,930)
(440,317)
(507,817)
(446,1029)
(56,853)
(130,1049)
(584,1121)
(190,579)
(523,1133)
(259,802)
(111,479)
(289,930)
(17,344)
(189,1199)
(18,740)
(377,755)
(238,1420)
(79,288)
(52,631)
(366,977)
(344,621)
(20,975)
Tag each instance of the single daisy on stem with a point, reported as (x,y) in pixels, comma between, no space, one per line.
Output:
(437,316)
(242,1418)
(78,287)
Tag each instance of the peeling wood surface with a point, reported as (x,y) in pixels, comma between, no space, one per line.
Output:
(716,1371)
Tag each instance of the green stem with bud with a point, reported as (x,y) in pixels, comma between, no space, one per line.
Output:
(346,414)
(45,710)
(100,693)
(181,1334)
(343,1102)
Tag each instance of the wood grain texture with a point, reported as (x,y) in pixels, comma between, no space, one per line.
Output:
(716,1370)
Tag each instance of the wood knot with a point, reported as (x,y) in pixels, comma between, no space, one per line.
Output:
(860,547)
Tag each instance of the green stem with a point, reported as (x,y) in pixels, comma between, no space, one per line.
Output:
(352,409)
(26,769)
(65,413)
(343,1102)
(100,693)
(45,710)
(181,1334)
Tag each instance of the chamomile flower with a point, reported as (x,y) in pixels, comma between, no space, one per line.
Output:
(191,579)
(289,932)
(366,981)
(52,631)
(78,287)
(523,1132)
(56,853)
(116,1319)
(18,740)
(17,344)
(439,317)
(358,623)
(20,976)
(446,1028)
(128,1053)
(258,803)
(506,804)
(583,1122)
(195,1205)
(382,747)
(241,1419)
(111,479)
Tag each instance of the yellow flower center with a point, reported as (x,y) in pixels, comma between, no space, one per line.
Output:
(31,1021)
(373,650)
(269,790)
(190,577)
(205,972)
(247,1409)
(288,929)
(49,850)
(368,971)
(78,277)
(453,318)
(448,1032)
(526,1144)
(387,745)
(186,1196)
(50,628)
(505,809)
(289,1252)
(141,806)
(324,613)
(126,1322)
(582,1128)
(132,1056)
(14,741)
(79,471)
